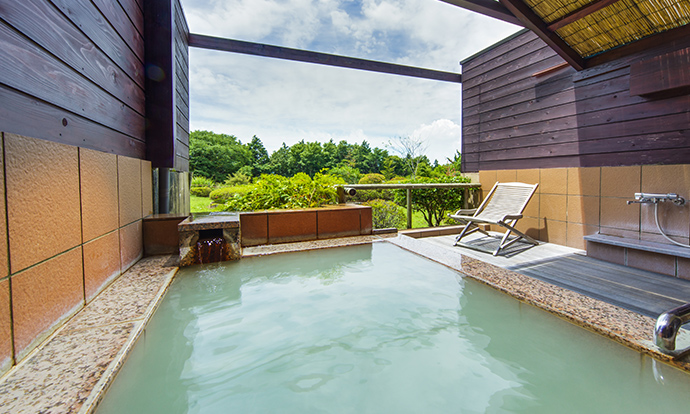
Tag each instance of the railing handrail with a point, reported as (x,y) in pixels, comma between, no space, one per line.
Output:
(412,186)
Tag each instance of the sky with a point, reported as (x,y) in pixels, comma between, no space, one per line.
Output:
(284,101)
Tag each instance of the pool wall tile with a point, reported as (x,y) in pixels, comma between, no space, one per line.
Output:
(4,261)
(131,245)
(338,223)
(583,210)
(5,327)
(43,208)
(292,226)
(576,232)
(129,189)
(553,231)
(254,228)
(530,176)
(146,189)
(505,176)
(161,235)
(531,226)
(620,181)
(366,225)
(101,263)
(683,268)
(44,296)
(99,200)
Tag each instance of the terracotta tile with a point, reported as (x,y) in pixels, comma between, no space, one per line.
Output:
(341,222)
(683,268)
(42,199)
(532,209)
(620,181)
(254,229)
(4,263)
(654,262)
(146,189)
(613,254)
(161,236)
(553,206)
(5,327)
(674,220)
(487,179)
(101,263)
(291,226)
(616,213)
(129,185)
(554,181)
(529,176)
(99,198)
(506,176)
(576,232)
(43,296)
(366,225)
(553,232)
(666,179)
(531,226)
(583,210)
(131,245)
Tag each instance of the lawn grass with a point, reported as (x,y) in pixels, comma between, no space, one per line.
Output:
(202,205)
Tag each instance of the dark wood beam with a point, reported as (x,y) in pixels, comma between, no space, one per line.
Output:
(580,13)
(537,25)
(278,52)
(489,8)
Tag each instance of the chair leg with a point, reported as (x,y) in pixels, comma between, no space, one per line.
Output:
(465,232)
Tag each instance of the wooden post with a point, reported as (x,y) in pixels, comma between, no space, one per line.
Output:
(465,200)
(341,195)
(409,208)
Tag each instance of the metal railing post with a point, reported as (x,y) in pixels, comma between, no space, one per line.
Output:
(409,208)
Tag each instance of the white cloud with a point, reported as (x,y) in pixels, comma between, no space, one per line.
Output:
(283,101)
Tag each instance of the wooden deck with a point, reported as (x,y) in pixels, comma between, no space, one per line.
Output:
(647,293)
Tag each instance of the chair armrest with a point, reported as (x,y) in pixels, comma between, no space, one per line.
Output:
(512,217)
(465,212)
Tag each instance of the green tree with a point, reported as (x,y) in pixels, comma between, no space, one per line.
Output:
(216,155)
(260,158)
(434,203)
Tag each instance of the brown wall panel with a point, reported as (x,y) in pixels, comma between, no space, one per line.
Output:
(514,120)
(119,20)
(135,13)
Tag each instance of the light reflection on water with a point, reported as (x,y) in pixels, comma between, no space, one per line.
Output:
(371,329)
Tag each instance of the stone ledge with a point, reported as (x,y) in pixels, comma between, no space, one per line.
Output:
(660,248)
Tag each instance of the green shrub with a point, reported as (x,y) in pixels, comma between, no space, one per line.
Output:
(434,203)
(385,214)
(224,194)
(349,175)
(200,191)
(369,195)
(201,181)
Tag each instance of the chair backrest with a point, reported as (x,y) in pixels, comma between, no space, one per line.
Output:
(505,199)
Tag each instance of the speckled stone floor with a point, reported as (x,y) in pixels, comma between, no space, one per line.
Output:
(71,370)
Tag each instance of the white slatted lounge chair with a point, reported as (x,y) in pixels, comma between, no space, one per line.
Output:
(503,206)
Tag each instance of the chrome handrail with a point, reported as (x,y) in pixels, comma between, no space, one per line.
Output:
(667,326)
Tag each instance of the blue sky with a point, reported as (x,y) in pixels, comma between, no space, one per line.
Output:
(283,101)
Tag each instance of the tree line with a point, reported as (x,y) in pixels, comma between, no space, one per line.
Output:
(220,156)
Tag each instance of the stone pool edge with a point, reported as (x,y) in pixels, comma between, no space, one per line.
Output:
(626,327)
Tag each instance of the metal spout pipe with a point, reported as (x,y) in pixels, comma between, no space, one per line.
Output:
(667,326)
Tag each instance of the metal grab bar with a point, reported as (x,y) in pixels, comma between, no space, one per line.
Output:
(667,326)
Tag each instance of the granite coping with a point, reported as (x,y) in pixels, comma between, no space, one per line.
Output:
(210,221)
(71,371)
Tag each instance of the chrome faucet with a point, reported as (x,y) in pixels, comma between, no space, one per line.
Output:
(651,198)
(667,326)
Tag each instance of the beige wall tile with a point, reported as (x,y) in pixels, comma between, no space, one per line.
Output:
(654,262)
(4,262)
(674,220)
(43,296)
(666,179)
(620,181)
(554,181)
(5,326)
(101,263)
(506,176)
(146,189)
(576,232)
(131,245)
(487,180)
(532,208)
(99,199)
(617,214)
(553,207)
(530,176)
(583,209)
(129,185)
(42,199)
(584,181)
(553,232)
(530,226)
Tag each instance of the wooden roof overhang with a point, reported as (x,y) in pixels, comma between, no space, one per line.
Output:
(590,32)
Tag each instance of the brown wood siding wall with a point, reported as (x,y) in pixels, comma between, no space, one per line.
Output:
(181,38)
(73,73)
(167,91)
(513,120)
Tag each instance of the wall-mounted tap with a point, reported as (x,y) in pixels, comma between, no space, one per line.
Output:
(651,198)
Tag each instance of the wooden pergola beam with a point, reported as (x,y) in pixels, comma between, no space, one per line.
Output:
(278,52)
(488,8)
(580,13)
(537,25)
